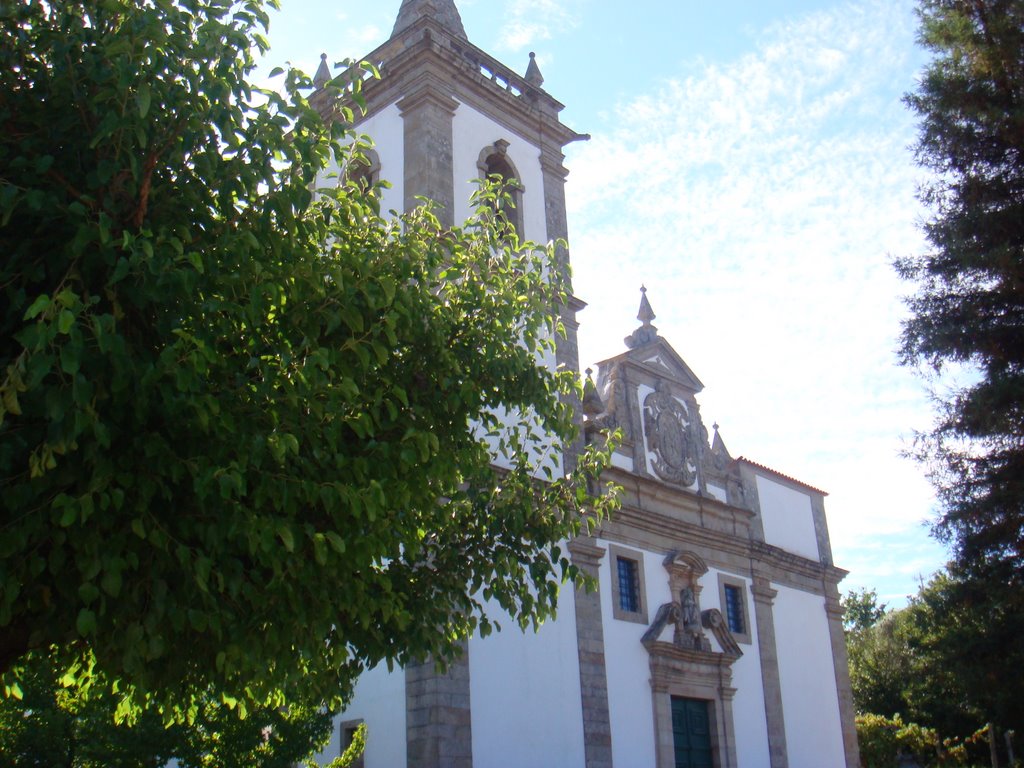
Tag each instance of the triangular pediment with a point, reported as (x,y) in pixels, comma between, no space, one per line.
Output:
(658,357)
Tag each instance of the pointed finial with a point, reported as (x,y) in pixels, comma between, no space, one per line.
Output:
(646,333)
(443,12)
(323,72)
(646,313)
(718,444)
(533,75)
(593,405)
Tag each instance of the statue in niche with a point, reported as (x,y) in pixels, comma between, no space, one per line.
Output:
(691,614)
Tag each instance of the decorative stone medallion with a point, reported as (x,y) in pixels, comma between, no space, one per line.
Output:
(670,437)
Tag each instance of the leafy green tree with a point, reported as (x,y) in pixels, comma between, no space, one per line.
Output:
(247,431)
(54,727)
(966,635)
(881,665)
(943,663)
(969,307)
(861,609)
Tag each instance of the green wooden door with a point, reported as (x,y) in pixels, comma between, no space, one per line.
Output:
(691,733)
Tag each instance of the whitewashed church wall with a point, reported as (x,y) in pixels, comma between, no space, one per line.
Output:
(810,705)
(788,518)
(472,131)
(748,714)
(388,134)
(379,701)
(629,689)
(525,694)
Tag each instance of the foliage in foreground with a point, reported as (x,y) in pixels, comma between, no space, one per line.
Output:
(247,431)
(55,726)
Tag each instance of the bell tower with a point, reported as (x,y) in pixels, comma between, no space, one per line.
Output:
(443,114)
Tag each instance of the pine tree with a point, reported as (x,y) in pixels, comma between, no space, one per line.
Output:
(968,312)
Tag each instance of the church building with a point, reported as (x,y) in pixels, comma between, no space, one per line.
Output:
(715,637)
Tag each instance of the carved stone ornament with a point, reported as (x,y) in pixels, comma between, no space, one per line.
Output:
(685,615)
(670,437)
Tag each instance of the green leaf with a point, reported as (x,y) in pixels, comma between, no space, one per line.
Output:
(65,321)
(286,536)
(86,622)
(337,543)
(143,98)
(111,583)
(41,304)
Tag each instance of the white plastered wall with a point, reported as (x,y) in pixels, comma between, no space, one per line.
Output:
(525,693)
(810,704)
(787,517)
(748,705)
(379,701)
(386,130)
(473,131)
(630,706)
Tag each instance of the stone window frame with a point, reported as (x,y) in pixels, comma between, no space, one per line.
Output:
(499,151)
(344,727)
(616,552)
(724,580)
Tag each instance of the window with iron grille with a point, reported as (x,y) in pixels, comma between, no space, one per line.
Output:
(629,585)
(734,610)
(629,601)
(732,592)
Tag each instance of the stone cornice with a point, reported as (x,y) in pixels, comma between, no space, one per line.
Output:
(683,522)
(585,551)
(427,48)
(675,652)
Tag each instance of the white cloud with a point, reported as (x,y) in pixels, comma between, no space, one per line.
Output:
(528,22)
(762,201)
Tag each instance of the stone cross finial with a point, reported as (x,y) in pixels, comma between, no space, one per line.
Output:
(443,12)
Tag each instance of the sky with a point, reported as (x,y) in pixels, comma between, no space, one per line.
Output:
(750,163)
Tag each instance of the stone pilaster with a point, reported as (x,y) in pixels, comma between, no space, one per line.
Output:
(728,726)
(438,716)
(834,611)
(429,167)
(567,355)
(764,597)
(597,733)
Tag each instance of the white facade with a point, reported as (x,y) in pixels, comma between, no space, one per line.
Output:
(717,608)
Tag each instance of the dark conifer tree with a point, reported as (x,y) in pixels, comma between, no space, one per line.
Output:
(969,307)
(968,318)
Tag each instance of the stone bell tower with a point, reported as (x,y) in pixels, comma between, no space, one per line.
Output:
(443,114)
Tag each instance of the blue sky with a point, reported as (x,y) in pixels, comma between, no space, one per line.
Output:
(749,164)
